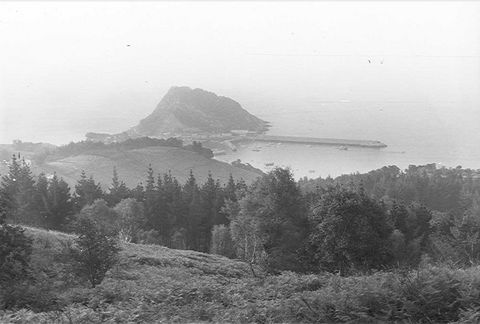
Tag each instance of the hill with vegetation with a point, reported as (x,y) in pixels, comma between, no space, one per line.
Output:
(155,284)
(132,165)
(391,245)
(186,110)
(27,149)
(131,158)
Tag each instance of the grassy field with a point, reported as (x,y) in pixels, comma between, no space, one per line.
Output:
(156,284)
(132,166)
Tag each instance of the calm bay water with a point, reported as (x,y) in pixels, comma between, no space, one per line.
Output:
(416,133)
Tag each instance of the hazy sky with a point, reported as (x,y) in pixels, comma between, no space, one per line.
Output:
(71,67)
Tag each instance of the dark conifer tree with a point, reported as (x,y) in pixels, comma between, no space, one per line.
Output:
(241,188)
(209,212)
(221,218)
(282,215)
(195,238)
(398,217)
(42,203)
(192,199)
(164,219)
(10,183)
(190,187)
(117,191)
(151,201)
(230,189)
(138,193)
(60,203)
(86,191)
(18,186)
(168,193)
(26,194)
(176,209)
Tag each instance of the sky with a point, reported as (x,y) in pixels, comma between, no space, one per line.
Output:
(69,67)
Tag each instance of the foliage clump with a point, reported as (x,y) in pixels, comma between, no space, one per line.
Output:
(349,231)
(95,251)
(15,251)
(222,243)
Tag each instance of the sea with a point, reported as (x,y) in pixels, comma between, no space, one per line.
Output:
(416,133)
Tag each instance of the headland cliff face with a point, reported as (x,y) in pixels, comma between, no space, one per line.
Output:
(186,110)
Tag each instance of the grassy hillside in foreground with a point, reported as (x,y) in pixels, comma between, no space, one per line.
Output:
(132,166)
(156,284)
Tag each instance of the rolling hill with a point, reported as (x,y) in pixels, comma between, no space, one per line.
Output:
(154,284)
(149,284)
(132,166)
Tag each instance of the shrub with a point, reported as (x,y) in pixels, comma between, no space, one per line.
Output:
(222,241)
(130,219)
(95,252)
(15,251)
(149,237)
(179,239)
(103,216)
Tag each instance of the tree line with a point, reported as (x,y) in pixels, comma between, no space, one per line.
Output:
(81,147)
(360,222)
(161,211)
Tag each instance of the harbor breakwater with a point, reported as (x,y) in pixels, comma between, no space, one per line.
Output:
(314,141)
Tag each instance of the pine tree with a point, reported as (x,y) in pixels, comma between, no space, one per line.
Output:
(190,187)
(276,204)
(18,186)
(176,210)
(10,183)
(241,189)
(86,191)
(117,191)
(398,217)
(42,203)
(60,203)
(209,212)
(195,240)
(191,198)
(230,189)
(138,193)
(150,201)
(25,198)
(220,217)
(163,220)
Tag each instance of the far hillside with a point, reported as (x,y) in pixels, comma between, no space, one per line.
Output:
(132,165)
(131,158)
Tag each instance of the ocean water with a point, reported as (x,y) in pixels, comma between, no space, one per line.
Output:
(415,132)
